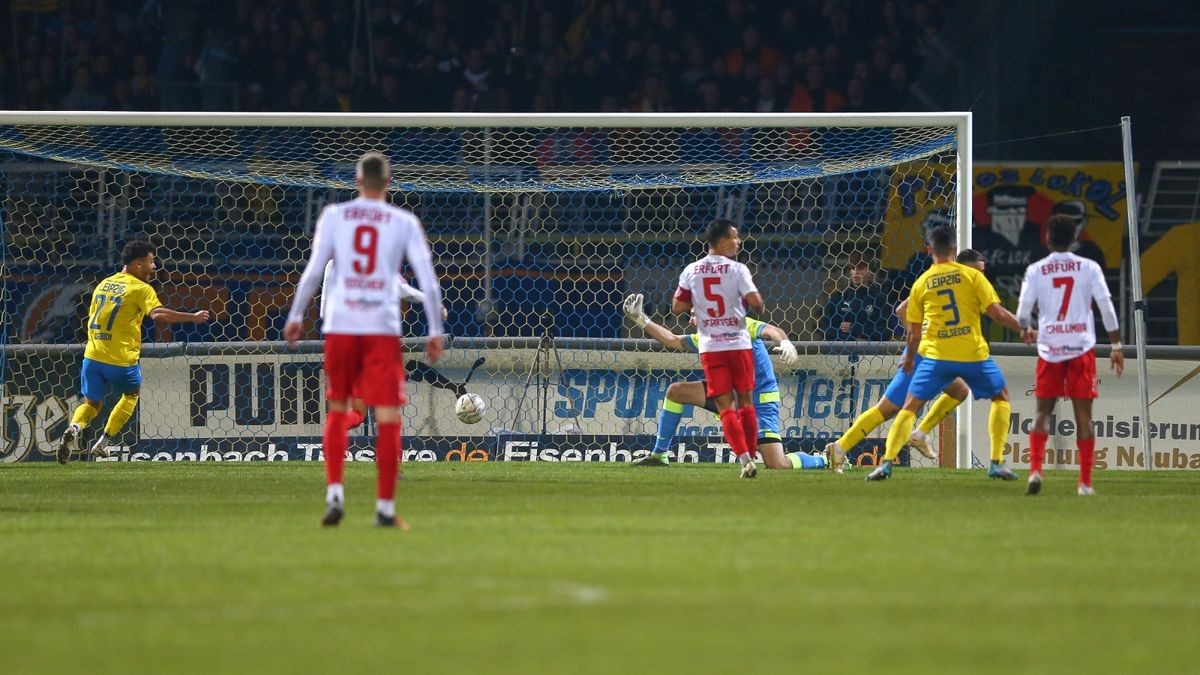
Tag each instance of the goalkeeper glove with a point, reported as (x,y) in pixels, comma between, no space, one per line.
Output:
(788,352)
(633,310)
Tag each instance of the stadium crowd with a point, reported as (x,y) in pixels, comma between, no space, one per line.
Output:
(472,55)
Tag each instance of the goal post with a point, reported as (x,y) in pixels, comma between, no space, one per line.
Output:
(540,224)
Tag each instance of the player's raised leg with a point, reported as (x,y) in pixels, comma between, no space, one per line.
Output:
(897,437)
(679,394)
(868,421)
(929,376)
(943,405)
(120,414)
(127,380)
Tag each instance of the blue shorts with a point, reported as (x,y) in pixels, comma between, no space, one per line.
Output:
(768,418)
(897,389)
(96,376)
(932,376)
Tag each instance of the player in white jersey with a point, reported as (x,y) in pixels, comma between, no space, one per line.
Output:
(1062,287)
(720,289)
(414,370)
(368,240)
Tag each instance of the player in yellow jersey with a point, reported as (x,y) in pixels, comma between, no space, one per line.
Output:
(114,326)
(943,328)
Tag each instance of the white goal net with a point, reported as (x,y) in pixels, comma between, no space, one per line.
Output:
(540,225)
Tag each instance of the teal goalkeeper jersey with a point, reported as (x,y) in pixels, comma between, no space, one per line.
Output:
(764,372)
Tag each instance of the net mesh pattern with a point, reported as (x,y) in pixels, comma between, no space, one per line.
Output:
(535,232)
(486,160)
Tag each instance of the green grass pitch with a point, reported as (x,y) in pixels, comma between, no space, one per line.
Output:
(583,568)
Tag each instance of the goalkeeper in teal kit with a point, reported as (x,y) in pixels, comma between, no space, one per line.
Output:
(766,392)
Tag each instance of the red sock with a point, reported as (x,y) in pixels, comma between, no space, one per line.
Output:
(749,421)
(733,432)
(354,418)
(1037,450)
(1087,459)
(387,459)
(334,446)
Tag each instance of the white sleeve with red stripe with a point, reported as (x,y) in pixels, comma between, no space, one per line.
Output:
(684,292)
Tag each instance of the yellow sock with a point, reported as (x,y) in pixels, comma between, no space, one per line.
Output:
(942,406)
(861,427)
(898,435)
(998,421)
(84,415)
(120,414)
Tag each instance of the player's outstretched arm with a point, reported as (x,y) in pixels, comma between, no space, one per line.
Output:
(787,350)
(171,316)
(633,309)
(1004,317)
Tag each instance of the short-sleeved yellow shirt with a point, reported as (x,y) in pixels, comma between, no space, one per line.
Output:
(114,321)
(948,300)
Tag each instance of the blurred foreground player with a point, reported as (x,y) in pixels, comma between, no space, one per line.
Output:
(1061,288)
(368,240)
(414,370)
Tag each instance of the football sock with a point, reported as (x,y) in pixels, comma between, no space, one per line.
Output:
(120,414)
(732,426)
(334,446)
(942,406)
(354,418)
(862,426)
(84,414)
(668,424)
(386,507)
(1087,459)
(1037,450)
(387,460)
(803,460)
(749,419)
(335,493)
(898,435)
(998,421)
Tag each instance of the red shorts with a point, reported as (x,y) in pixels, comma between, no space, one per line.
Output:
(1074,378)
(728,371)
(370,367)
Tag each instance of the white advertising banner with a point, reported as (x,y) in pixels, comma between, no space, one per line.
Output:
(619,393)
(1174,419)
(595,392)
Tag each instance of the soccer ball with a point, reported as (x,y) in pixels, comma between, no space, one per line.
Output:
(469,408)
